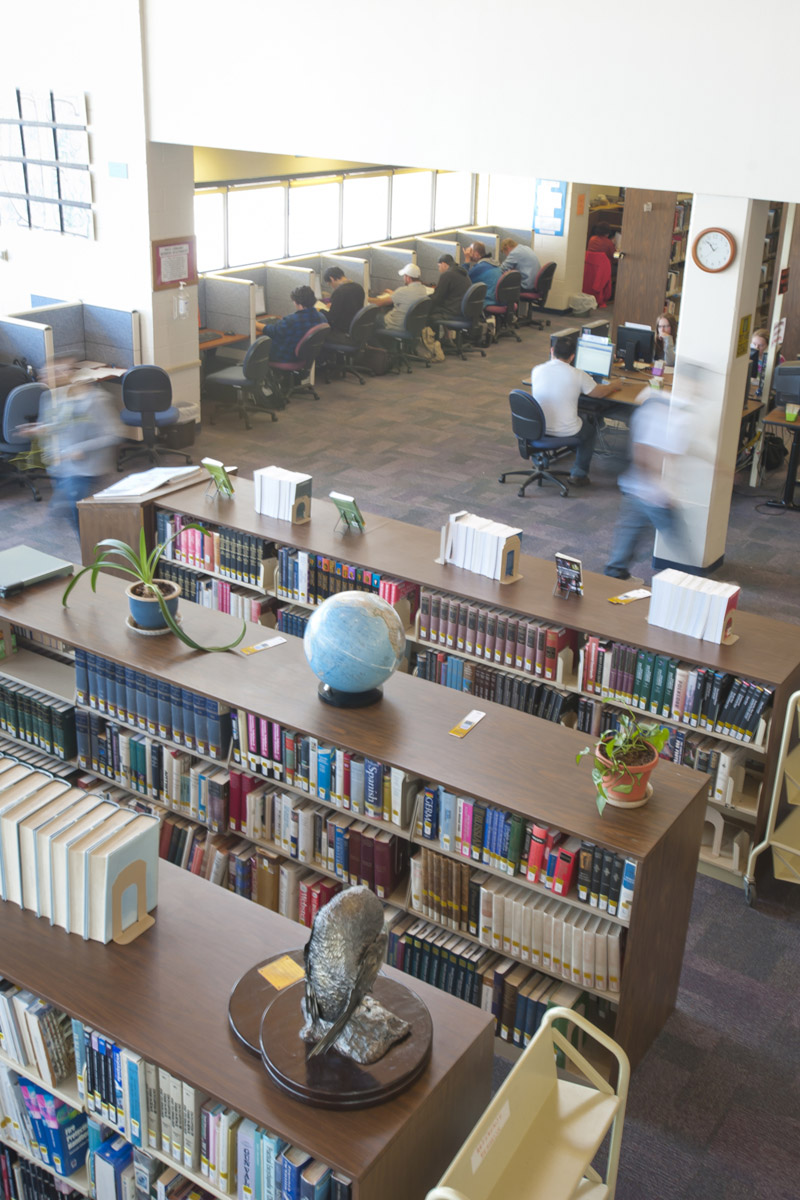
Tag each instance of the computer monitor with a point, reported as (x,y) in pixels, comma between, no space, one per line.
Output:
(597,328)
(786,382)
(595,358)
(568,338)
(635,344)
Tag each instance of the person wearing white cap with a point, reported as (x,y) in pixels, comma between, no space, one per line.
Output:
(402,298)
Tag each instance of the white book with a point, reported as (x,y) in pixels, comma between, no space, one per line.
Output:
(16,802)
(568,948)
(561,912)
(487,896)
(165,1110)
(59,845)
(601,959)
(498,914)
(192,1100)
(228,1119)
(613,957)
(135,842)
(526,928)
(415,882)
(517,910)
(27,831)
(153,1130)
(11,1042)
(78,864)
(594,931)
(21,999)
(537,930)
(246,1136)
(305,832)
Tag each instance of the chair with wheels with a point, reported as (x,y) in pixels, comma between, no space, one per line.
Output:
(341,350)
(147,397)
(467,324)
(537,298)
(246,381)
(529,426)
(504,309)
(16,450)
(400,342)
(288,379)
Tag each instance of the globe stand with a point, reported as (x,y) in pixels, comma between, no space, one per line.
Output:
(342,699)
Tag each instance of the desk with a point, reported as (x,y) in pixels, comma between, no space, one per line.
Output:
(222,339)
(778,417)
(95,372)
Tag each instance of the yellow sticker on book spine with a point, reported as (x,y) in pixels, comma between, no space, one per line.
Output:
(282,972)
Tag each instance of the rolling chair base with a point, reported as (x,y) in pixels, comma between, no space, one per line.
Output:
(539,477)
(153,453)
(22,479)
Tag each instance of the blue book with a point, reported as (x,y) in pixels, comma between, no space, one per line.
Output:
(81,677)
(140,692)
(110,1161)
(78,1038)
(164,709)
(315,1181)
(271,1149)
(187,706)
(151,690)
(91,672)
(506,836)
(156,769)
(118,1118)
(325,757)
(176,710)
(430,812)
(200,723)
(218,727)
(121,698)
(447,820)
(294,1160)
(102,684)
(82,738)
(373,788)
(133,1066)
(97,1133)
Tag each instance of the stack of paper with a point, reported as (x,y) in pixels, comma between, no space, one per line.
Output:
(283,494)
(147,481)
(701,608)
(476,543)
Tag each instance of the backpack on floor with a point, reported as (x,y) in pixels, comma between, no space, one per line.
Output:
(774,451)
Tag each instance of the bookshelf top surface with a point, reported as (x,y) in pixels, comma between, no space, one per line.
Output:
(767,650)
(165,996)
(509,758)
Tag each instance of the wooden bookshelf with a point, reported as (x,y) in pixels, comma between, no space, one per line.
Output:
(509,760)
(165,996)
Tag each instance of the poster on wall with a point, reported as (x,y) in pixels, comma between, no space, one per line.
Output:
(174,262)
(550,207)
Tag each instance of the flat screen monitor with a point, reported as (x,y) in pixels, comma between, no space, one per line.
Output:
(566,338)
(595,358)
(635,344)
(786,382)
(597,328)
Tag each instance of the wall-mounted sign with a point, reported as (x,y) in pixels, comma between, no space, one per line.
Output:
(174,262)
(743,341)
(550,207)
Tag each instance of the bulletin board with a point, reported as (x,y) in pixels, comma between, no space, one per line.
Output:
(174,262)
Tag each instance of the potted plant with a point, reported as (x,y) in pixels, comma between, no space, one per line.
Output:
(623,761)
(153,602)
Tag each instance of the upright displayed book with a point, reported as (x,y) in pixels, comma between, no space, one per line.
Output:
(283,494)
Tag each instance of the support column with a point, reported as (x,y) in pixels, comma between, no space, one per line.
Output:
(711,376)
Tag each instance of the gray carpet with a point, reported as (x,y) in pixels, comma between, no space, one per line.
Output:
(714,1108)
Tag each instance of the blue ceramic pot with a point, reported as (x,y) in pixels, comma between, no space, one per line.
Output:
(146,611)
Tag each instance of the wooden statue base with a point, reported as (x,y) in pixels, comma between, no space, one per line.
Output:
(250,996)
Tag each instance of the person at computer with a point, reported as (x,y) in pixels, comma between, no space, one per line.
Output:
(659,430)
(666,335)
(451,286)
(286,333)
(522,259)
(759,345)
(346,299)
(401,298)
(558,387)
(601,241)
(481,269)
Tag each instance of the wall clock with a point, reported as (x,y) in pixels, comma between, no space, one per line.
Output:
(714,249)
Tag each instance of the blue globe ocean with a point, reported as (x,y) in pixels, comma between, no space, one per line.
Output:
(354,642)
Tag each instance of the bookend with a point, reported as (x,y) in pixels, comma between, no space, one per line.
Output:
(509,572)
(301,510)
(134,875)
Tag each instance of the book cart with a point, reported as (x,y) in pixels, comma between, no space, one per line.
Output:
(767,652)
(508,759)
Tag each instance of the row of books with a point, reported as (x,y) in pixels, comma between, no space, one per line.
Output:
(478,544)
(311,578)
(218,594)
(36,718)
(35,1034)
(293,620)
(61,851)
(45,1127)
(283,494)
(498,635)
(725,765)
(717,701)
(155,706)
(700,608)
(240,557)
(488,683)
(21,1179)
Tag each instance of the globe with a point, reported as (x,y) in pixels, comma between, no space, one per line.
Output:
(354,642)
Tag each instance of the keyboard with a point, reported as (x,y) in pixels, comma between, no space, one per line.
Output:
(208,335)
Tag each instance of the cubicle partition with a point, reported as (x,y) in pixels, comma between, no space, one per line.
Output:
(112,336)
(66,320)
(30,340)
(83,331)
(229,305)
(282,279)
(356,269)
(385,263)
(429,251)
(481,233)
(491,240)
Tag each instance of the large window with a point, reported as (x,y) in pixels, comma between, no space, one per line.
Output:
(256,224)
(412,210)
(365,209)
(453,199)
(313,217)
(209,227)
(511,200)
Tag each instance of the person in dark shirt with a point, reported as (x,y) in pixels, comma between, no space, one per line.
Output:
(287,332)
(346,299)
(449,291)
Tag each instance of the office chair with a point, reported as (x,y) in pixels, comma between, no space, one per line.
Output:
(529,426)
(504,309)
(537,298)
(468,323)
(246,380)
(21,408)
(341,350)
(147,400)
(293,378)
(400,342)
(597,276)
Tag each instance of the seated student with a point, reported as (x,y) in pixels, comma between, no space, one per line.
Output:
(601,241)
(346,299)
(522,259)
(287,332)
(401,298)
(666,334)
(481,269)
(450,289)
(759,345)
(558,386)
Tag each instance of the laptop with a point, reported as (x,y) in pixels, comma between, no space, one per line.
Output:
(22,566)
(595,357)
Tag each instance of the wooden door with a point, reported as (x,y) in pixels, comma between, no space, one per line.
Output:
(646,242)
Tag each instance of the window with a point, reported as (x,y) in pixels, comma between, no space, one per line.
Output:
(453,199)
(45,182)
(411,202)
(511,200)
(365,209)
(256,224)
(209,227)
(313,217)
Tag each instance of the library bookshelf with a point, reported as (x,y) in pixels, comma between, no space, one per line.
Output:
(507,760)
(165,996)
(767,651)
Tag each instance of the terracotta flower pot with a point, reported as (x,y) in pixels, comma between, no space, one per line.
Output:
(145,609)
(626,788)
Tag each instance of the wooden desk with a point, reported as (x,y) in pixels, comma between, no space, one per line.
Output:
(778,417)
(165,996)
(222,339)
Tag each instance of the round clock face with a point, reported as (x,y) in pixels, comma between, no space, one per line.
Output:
(714,249)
